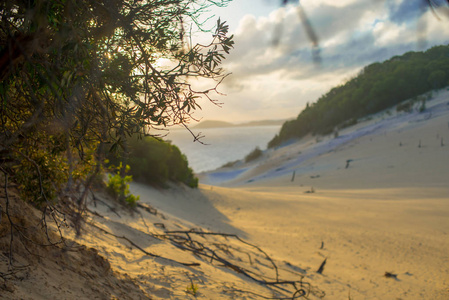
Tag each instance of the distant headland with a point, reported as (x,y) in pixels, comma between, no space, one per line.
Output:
(222,124)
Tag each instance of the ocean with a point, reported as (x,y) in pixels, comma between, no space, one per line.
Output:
(223,145)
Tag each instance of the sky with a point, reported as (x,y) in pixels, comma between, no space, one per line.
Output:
(271,81)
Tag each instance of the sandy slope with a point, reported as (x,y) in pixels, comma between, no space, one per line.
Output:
(365,233)
(387,212)
(65,271)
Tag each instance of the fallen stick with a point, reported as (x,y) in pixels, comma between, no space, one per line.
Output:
(230,235)
(321,268)
(95,198)
(299,287)
(143,250)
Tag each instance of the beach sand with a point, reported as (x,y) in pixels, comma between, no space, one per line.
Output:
(387,211)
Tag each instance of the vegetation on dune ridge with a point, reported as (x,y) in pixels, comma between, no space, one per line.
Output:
(377,87)
(155,161)
(253,155)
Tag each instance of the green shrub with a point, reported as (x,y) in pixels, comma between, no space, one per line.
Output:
(118,186)
(155,161)
(40,175)
(405,106)
(274,141)
(422,108)
(230,164)
(256,153)
(351,122)
(43,171)
(437,79)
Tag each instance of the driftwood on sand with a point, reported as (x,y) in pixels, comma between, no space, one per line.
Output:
(245,260)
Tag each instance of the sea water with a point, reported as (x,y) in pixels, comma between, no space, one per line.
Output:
(221,145)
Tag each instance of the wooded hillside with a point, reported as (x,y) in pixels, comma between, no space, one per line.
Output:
(377,87)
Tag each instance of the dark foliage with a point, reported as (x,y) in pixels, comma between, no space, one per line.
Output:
(155,161)
(77,78)
(256,153)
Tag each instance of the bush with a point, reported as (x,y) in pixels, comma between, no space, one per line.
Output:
(274,142)
(256,153)
(155,161)
(422,108)
(43,171)
(405,106)
(351,122)
(230,164)
(437,79)
(118,187)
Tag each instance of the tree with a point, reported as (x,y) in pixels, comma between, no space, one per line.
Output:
(78,77)
(437,79)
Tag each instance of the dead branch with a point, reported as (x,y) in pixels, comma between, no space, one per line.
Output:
(148,209)
(298,294)
(141,249)
(234,236)
(184,241)
(321,268)
(11,223)
(224,255)
(20,231)
(391,275)
(95,198)
(53,211)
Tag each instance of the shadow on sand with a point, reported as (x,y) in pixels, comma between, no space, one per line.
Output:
(186,204)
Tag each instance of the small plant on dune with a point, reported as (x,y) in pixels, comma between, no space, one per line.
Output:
(230,164)
(405,106)
(192,289)
(118,186)
(422,108)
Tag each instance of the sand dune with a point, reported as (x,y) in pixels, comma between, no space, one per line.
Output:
(365,233)
(387,211)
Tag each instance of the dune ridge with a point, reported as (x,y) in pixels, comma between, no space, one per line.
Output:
(373,203)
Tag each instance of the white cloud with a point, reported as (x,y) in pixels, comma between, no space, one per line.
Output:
(386,33)
(318,3)
(275,81)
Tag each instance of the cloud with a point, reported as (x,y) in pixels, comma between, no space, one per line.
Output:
(255,54)
(407,11)
(273,80)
